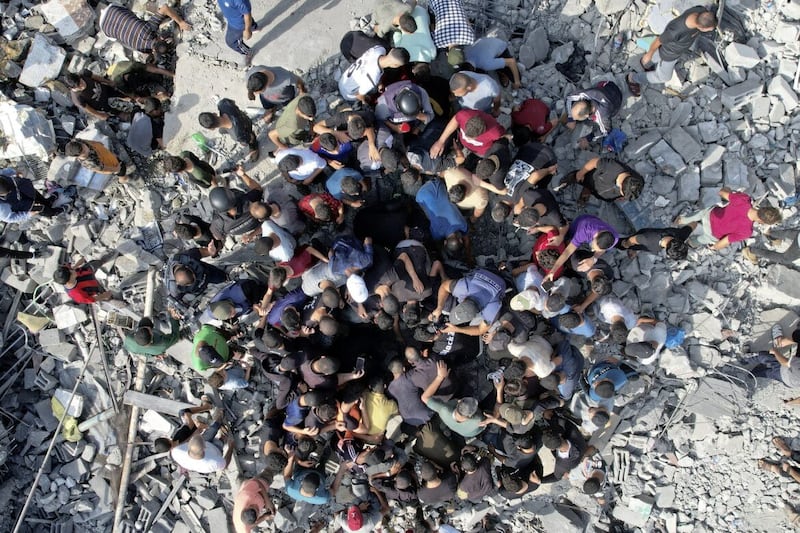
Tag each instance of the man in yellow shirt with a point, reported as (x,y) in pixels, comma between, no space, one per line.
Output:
(379,407)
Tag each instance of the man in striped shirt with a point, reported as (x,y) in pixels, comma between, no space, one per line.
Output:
(122,24)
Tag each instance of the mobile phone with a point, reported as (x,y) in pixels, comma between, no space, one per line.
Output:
(359,364)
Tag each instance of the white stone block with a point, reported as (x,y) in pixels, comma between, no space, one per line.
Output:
(72,19)
(44,62)
(741,55)
(780,87)
(29,131)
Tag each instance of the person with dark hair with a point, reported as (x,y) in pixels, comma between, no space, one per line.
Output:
(653,240)
(436,485)
(424,370)
(413,412)
(386,15)
(186,273)
(140,79)
(452,29)
(476,91)
(718,227)
(299,166)
(235,121)
(609,180)
(477,131)
(91,94)
(80,283)
(252,505)
(363,77)
(94,156)
(444,217)
(148,340)
(605,379)
(203,451)
(294,125)
(192,166)
(239,24)
(19,201)
(210,348)
(477,293)
(597,104)
(476,482)
(321,208)
(530,121)
(232,209)
(467,191)
(348,186)
(186,429)
(122,25)
(566,452)
(415,35)
(460,416)
(675,41)
(568,371)
(235,300)
(275,87)
(305,485)
(587,230)
(610,310)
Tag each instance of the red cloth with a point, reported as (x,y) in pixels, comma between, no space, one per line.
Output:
(541,244)
(731,220)
(481,144)
(533,114)
(300,262)
(304,205)
(86,286)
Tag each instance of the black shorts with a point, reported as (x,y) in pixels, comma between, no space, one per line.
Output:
(182,434)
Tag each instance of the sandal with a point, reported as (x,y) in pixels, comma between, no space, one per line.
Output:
(784,448)
(763,464)
(633,87)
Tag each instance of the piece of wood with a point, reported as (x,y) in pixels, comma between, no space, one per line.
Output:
(178,484)
(156,403)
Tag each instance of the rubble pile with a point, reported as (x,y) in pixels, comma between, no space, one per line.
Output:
(683,452)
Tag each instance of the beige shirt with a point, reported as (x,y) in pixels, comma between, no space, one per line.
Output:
(476,197)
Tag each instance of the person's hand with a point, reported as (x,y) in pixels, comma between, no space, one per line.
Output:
(647,59)
(174,313)
(500,383)
(212,248)
(549,277)
(184,26)
(535,477)
(711,246)
(374,153)
(362,313)
(417,284)
(340,426)
(548,414)
(555,240)
(246,34)
(571,125)
(552,169)
(580,308)
(586,264)
(449,328)
(358,374)
(240,170)
(311,432)
(436,149)
(583,144)
(435,314)
(306,331)
(441,370)
(336,164)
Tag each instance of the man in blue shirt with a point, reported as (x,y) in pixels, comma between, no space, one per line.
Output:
(605,379)
(240,28)
(305,485)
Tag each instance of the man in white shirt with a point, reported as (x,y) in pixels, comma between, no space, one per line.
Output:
(199,455)
(363,76)
(275,242)
(476,91)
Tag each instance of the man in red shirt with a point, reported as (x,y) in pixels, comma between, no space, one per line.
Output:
(477,131)
(81,284)
(720,226)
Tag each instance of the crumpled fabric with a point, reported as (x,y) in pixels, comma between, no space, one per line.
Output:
(69,429)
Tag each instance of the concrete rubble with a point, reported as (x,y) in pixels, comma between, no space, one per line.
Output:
(689,442)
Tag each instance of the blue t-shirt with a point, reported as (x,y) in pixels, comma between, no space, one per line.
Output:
(605,370)
(294,299)
(334,183)
(444,216)
(572,365)
(293,489)
(485,288)
(295,413)
(234,12)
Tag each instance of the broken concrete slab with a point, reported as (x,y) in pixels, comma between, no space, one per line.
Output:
(73,19)
(741,94)
(741,55)
(43,63)
(780,88)
(683,143)
(27,132)
(666,159)
(715,398)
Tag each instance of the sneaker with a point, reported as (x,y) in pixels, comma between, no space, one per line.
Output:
(748,254)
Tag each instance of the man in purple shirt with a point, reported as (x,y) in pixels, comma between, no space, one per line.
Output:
(586,229)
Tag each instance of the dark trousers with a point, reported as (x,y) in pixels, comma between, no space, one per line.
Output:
(234,38)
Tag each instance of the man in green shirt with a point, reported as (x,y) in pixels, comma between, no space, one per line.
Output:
(148,341)
(293,127)
(210,348)
(461,416)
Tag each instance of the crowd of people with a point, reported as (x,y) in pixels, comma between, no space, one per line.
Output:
(426,379)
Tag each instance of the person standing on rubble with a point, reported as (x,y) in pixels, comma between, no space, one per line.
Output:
(239,26)
(20,201)
(678,38)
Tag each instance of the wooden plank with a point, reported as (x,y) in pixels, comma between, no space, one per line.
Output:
(156,403)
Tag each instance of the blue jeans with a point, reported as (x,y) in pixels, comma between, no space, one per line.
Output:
(234,39)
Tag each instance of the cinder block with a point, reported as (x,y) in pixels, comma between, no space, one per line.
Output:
(683,143)
(741,94)
(51,337)
(780,88)
(741,55)
(786,32)
(667,159)
(760,107)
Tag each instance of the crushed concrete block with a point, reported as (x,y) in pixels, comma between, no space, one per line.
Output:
(786,32)
(218,520)
(72,19)
(76,469)
(640,145)
(741,94)
(760,107)
(711,131)
(285,520)
(712,156)
(666,159)
(207,498)
(741,55)
(780,87)
(689,187)
(51,337)
(705,326)
(790,9)
(609,7)
(711,176)
(777,114)
(44,62)
(715,398)
(66,351)
(28,130)
(20,282)
(535,48)
(67,316)
(736,174)
(154,422)
(781,286)
(147,207)
(683,143)
(575,8)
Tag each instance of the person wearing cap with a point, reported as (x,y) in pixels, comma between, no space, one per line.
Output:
(460,416)
(587,230)
(415,35)
(210,348)
(478,294)
(718,227)
(467,191)
(304,485)
(235,122)
(530,121)
(146,340)
(348,186)
(511,418)
(404,107)
(362,518)
(646,340)
(608,180)
(232,208)
(568,370)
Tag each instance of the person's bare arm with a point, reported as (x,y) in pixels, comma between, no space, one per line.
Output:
(156,70)
(438,147)
(316,253)
(496,105)
(441,298)
(590,165)
(491,188)
(251,184)
(655,45)
(322,127)
(273,136)
(313,176)
(725,193)
(474,331)
(409,266)
(289,468)
(565,255)
(441,374)
(720,244)
(537,175)
(175,16)
(511,63)
(248,26)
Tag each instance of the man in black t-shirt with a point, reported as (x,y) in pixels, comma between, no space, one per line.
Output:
(653,240)
(236,122)
(678,37)
(609,180)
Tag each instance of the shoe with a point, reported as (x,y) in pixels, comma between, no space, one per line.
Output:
(647,68)
(748,254)
(633,87)
(248,59)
